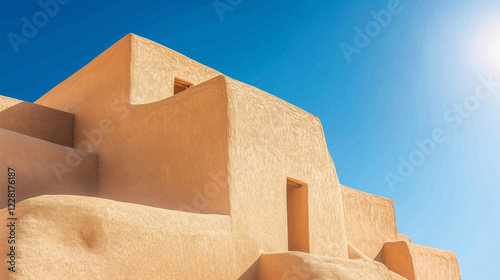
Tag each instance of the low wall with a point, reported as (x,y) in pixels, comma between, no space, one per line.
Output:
(36,121)
(37,164)
(417,262)
(75,237)
(369,221)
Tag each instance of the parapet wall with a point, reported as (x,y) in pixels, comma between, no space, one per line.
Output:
(36,121)
(154,68)
(417,262)
(369,221)
(37,163)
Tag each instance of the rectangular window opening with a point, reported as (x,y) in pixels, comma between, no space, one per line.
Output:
(297,216)
(181,85)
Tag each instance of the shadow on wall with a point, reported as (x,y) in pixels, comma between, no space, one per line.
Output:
(40,122)
(252,272)
(33,138)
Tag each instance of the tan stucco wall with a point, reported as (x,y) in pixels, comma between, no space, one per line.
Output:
(402,237)
(396,256)
(177,147)
(80,238)
(185,139)
(297,265)
(34,161)
(432,263)
(6,102)
(154,68)
(36,121)
(271,140)
(88,92)
(369,221)
(417,262)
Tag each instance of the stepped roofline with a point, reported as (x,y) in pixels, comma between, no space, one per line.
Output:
(238,180)
(147,68)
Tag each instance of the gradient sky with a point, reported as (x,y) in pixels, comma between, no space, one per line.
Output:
(411,78)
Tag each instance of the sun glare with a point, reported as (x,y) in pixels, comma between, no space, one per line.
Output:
(487,47)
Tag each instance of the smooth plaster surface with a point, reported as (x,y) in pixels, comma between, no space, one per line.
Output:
(417,262)
(154,69)
(36,121)
(370,220)
(173,150)
(76,237)
(297,265)
(35,161)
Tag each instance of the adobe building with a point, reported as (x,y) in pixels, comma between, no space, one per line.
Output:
(148,165)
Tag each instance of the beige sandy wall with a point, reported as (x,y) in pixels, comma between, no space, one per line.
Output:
(432,263)
(72,237)
(154,68)
(169,154)
(417,262)
(36,121)
(396,256)
(6,102)
(271,140)
(36,162)
(88,92)
(295,265)
(369,221)
(180,153)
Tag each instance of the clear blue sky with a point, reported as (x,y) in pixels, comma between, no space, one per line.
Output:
(404,84)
